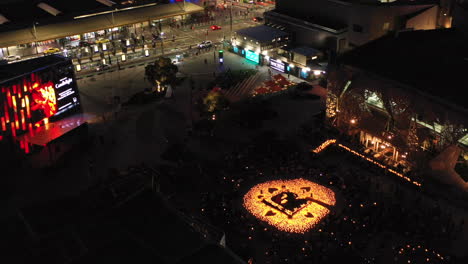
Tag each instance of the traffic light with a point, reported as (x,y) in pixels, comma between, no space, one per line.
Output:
(221,56)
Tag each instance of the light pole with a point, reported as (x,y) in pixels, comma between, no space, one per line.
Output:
(35,36)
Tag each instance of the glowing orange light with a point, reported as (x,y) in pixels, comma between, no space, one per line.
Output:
(269,202)
(328,142)
(3,124)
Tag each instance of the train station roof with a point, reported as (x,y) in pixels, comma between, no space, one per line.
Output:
(92,22)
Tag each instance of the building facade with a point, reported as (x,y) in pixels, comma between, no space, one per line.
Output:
(339,25)
(403,110)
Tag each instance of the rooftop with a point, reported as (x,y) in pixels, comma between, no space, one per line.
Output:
(303,50)
(12,70)
(432,61)
(24,12)
(15,34)
(262,33)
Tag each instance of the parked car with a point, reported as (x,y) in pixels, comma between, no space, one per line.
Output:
(215,27)
(103,67)
(99,41)
(205,44)
(51,50)
(257,19)
(13,58)
(85,44)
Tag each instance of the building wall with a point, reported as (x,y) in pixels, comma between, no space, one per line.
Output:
(460,15)
(331,10)
(373,20)
(424,21)
(376,21)
(305,33)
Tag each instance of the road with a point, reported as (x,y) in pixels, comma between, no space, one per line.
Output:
(183,37)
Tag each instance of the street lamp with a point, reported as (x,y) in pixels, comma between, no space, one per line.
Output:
(35,35)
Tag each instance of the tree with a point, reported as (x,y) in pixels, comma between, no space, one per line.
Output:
(161,73)
(215,101)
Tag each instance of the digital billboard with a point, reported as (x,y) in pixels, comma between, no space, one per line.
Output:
(277,65)
(252,56)
(33,99)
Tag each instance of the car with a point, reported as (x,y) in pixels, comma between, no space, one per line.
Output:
(205,44)
(99,41)
(85,44)
(257,19)
(51,50)
(103,67)
(13,57)
(215,27)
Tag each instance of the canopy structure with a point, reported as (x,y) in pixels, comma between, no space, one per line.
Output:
(92,23)
(443,167)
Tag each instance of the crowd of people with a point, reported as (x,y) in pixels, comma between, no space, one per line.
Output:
(377,219)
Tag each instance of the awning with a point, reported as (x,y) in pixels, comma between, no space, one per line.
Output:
(95,23)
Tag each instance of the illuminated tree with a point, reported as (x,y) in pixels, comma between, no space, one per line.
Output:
(215,101)
(161,73)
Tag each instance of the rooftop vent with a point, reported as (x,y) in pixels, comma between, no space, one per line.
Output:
(106,2)
(48,9)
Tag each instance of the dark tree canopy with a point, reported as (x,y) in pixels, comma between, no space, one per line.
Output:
(162,71)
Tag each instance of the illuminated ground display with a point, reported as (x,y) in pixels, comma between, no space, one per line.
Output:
(293,206)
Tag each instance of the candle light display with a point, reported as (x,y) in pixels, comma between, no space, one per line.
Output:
(293,206)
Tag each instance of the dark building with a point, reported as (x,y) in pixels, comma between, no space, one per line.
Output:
(338,25)
(459,15)
(401,98)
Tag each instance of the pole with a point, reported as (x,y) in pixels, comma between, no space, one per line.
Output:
(113,25)
(230,18)
(162,46)
(35,36)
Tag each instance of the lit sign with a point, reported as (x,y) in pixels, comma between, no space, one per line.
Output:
(66,93)
(63,82)
(277,65)
(250,55)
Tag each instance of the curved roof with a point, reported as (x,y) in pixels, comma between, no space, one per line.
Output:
(431,61)
(76,25)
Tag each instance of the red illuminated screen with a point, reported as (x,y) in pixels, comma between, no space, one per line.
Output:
(30,102)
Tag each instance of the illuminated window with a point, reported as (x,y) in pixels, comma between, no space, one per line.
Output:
(373,99)
(386,26)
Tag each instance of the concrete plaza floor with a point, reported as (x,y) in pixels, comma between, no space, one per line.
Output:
(137,134)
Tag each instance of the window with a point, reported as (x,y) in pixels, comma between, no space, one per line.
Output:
(386,26)
(357,28)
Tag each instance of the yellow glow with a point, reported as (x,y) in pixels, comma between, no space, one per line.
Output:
(298,221)
(332,141)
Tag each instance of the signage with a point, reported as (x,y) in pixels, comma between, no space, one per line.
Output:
(66,94)
(277,65)
(252,56)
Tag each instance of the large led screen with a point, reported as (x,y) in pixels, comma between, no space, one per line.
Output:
(250,55)
(33,99)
